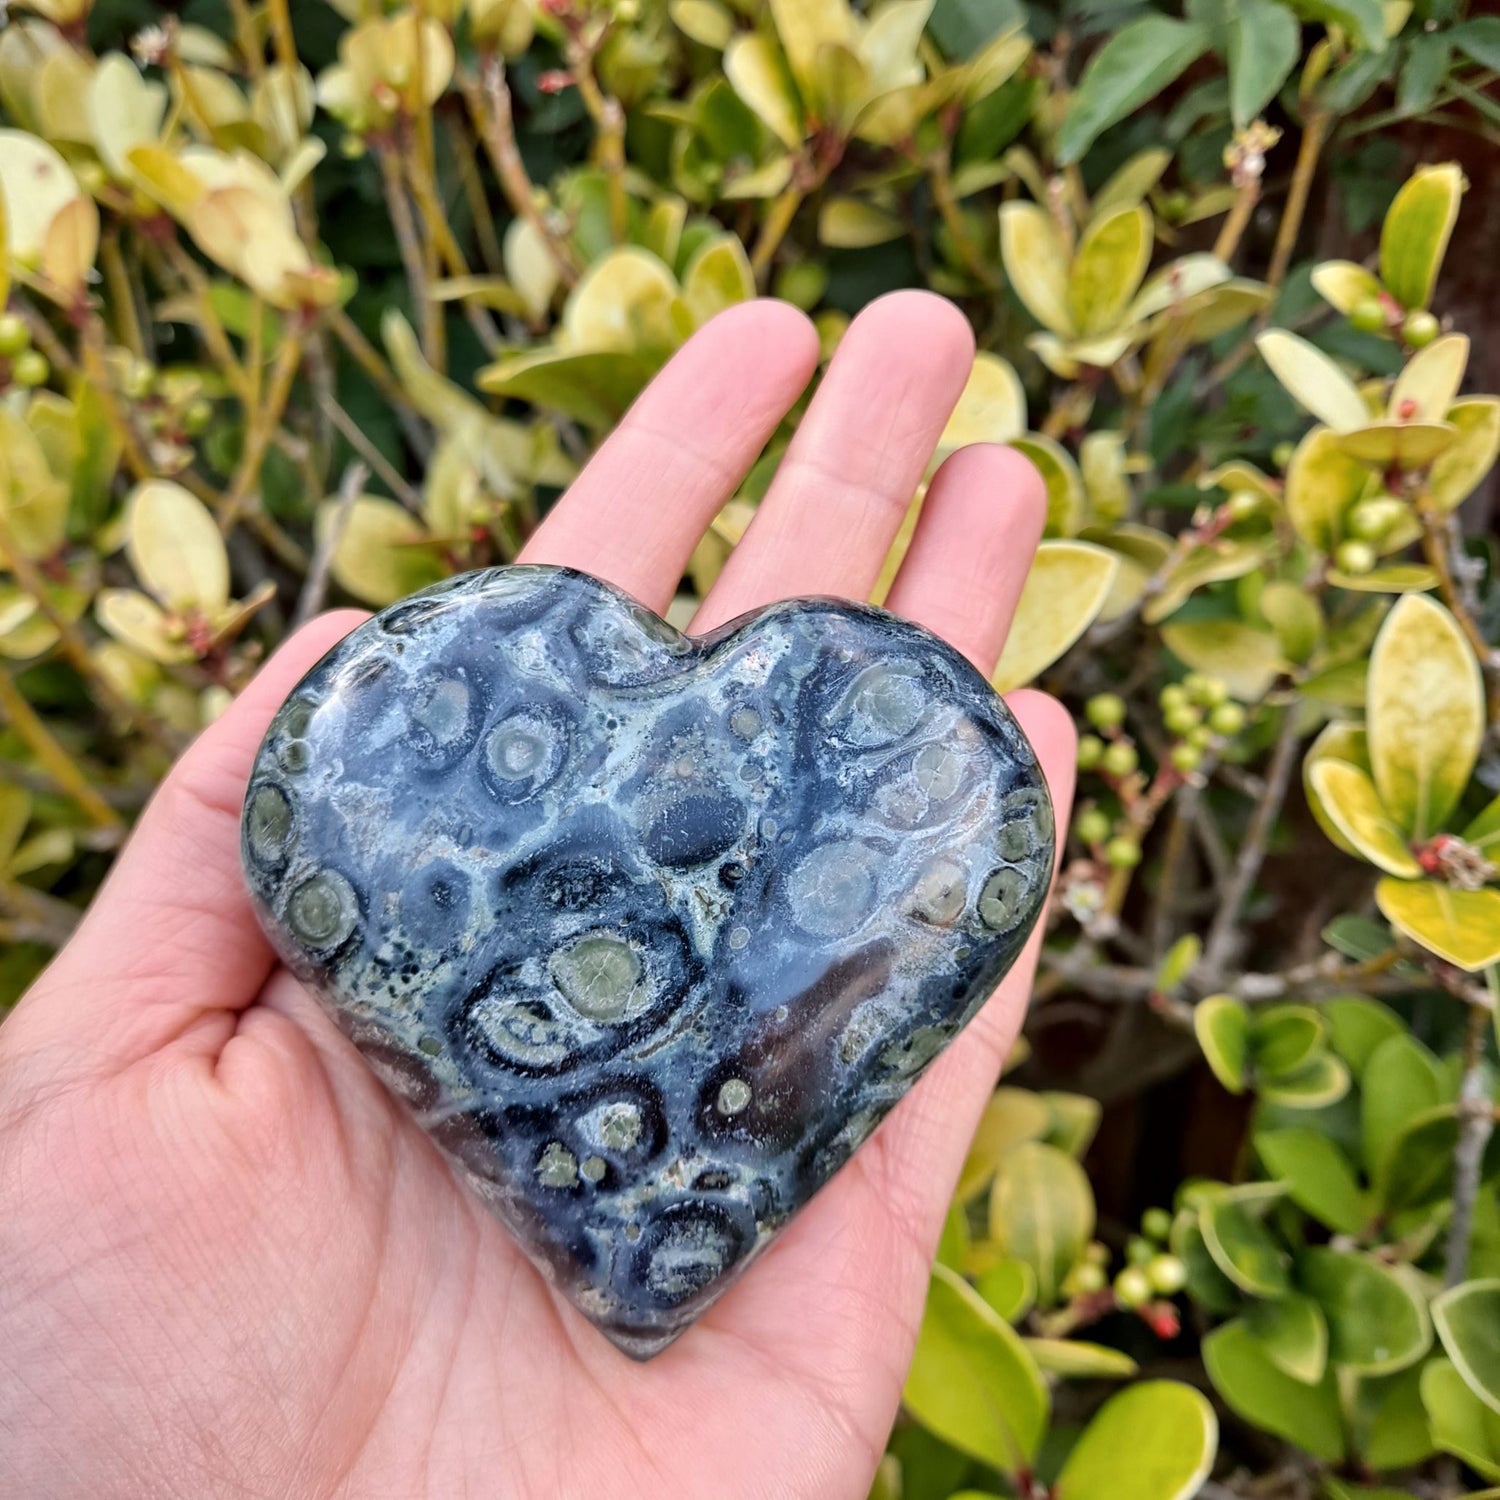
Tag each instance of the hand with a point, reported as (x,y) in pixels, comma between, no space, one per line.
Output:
(229,1262)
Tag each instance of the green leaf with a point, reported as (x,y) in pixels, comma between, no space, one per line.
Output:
(1322,484)
(1042,1212)
(1430,380)
(1344,284)
(1066,501)
(1363,19)
(1484,831)
(1353,805)
(1357,1025)
(1313,380)
(1075,1118)
(1169,1432)
(1467,1318)
(1247,659)
(1009,1286)
(175,547)
(855,224)
(595,388)
(1418,1167)
(1283,1038)
(756,68)
(1256,1389)
(1134,65)
(1244,1249)
(1222,1026)
(953,1243)
(1479,40)
(1376,1323)
(1319,1178)
(1457,472)
(991,408)
(1462,1424)
(1294,615)
(1426,714)
(1010,1117)
(1080,1359)
(1401,1081)
(1423,71)
(381,553)
(1414,237)
(1107,268)
(1390,1424)
(1293,1334)
(1324,1080)
(1036,263)
(1062,597)
(1178,962)
(972,1381)
(1404,445)
(1264,42)
(1462,927)
(1130,183)
(717,277)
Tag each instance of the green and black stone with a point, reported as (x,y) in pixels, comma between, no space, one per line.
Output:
(649,931)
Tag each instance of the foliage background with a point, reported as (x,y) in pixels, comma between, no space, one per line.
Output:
(331,300)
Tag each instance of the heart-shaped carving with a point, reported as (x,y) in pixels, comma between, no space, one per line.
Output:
(650,931)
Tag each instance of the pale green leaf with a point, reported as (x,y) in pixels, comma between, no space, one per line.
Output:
(1322,485)
(1319,1178)
(381,552)
(807,26)
(1063,594)
(991,408)
(1457,471)
(756,68)
(1036,264)
(1256,1389)
(1401,1081)
(175,547)
(1292,1333)
(717,277)
(1130,182)
(1462,1424)
(1345,284)
(1414,237)
(855,224)
(1080,1360)
(1352,803)
(1222,1025)
(1467,1318)
(1430,380)
(1042,1212)
(1170,1433)
(1107,268)
(1244,1249)
(1376,1323)
(1247,659)
(1402,445)
(1011,1116)
(1425,716)
(1313,380)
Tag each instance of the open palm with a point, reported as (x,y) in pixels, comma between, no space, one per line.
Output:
(229,1262)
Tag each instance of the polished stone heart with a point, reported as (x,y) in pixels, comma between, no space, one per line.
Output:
(649,931)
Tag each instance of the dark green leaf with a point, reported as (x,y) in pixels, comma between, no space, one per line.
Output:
(1244,1249)
(1376,1322)
(1319,1177)
(1134,65)
(1364,20)
(1478,40)
(1243,1374)
(1422,72)
(963,27)
(1264,41)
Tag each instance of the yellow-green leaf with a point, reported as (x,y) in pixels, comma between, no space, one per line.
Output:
(1222,1026)
(855,224)
(972,1380)
(805,27)
(141,624)
(1313,380)
(1153,1441)
(35,184)
(595,387)
(1414,237)
(1351,801)
(529,265)
(755,65)
(1468,1323)
(1404,445)
(1430,380)
(1081,1360)
(1461,927)
(15,813)
(1345,284)
(1060,476)
(1457,472)
(1247,659)
(1110,261)
(1397,578)
(1063,594)
(175,547)
(1129,183)
(381,553)
(1295,616)
(1425,715)
(1462,1424)
(1012,1116)
(1340,741)
(990,409)
(1036,264)
(717,277)
(623,304)
(124,110)
(707,22)
(1322,484)
(1042,1212)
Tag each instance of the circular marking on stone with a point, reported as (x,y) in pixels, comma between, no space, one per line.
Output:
(734,1096)
(593,1168)
(442,709)
(269,825)
(293,756)
(522,1032)
(832,888)
(937,771)
(619,1125)
(322,910)
(738,937)
(1031,803)
(435,903)
(600,977)
(883,703)
(557,1167)
(295,718)
(744,722)
(526,750)
(940,892)
(686,1252)
(1000,900)
(1014,841)
(694,829)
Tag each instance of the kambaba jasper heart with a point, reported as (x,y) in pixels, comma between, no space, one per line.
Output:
(649,931)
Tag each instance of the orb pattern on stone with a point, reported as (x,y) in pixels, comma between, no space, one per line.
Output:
(649,931)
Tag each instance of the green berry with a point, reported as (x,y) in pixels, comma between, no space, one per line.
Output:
(1200,736)
(1373,520)
(1123,853)
(1139,1251)
(1243,504)
(1180,721)
(1205,689)
(1367,315)
(1281,454)
(1090,751)
(1093,826)
(1121,758)
(1227,718)
(1085,1279)
(1175,206)
(1354,557)
(14,335)
(140,377)
(1105,710)
(1173,695)
(1157,1223)
(802,284)
(197,415)
(1419,329)
(30,368)
(1167,1275)
(1096,1253)
(1132,1287)
(1186,757)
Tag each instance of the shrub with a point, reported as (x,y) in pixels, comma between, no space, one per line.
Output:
(333,303)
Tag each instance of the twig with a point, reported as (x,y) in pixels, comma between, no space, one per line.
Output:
(1314,133)
(43,918)
(372,455)
(316,586)
(1476,1112)
(51,756)
(427,310)
(939,171)
(266,415)
(367,357)
(1225,929)
(773,231)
